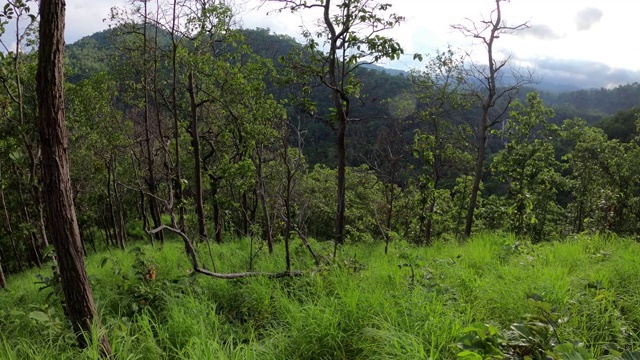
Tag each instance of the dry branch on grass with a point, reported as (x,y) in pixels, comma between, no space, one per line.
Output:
(191,252)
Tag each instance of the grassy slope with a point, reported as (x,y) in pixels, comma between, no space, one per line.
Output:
(367,308)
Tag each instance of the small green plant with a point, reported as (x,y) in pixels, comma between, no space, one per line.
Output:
(481,341)
(49,322)
(50,284)
(408,259)
(534,337)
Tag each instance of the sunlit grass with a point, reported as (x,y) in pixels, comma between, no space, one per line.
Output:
(409,304)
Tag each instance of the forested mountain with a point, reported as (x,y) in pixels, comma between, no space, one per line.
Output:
(91,55)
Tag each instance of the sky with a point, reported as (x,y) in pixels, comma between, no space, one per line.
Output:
(588,43)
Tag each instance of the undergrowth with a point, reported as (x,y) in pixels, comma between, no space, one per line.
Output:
(491,297)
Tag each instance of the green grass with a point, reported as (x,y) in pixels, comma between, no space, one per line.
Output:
(365,306)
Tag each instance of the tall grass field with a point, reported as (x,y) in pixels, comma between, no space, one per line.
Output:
(490,297)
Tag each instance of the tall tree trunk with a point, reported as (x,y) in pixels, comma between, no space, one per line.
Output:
(151,181)
(174,111)
(491,30)
(477,174)
(62,221)
(342,164)
(195,142)
(163,142)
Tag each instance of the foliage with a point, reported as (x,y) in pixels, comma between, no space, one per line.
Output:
(529,168)
(602,180)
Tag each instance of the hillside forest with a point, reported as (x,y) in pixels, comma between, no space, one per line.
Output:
(264,164)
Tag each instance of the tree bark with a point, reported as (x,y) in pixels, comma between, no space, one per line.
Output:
(61,216)
(195,142)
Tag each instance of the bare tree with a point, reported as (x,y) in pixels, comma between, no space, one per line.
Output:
(62,221)
(490,88)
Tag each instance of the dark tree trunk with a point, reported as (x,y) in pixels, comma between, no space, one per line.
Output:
(478,171)
(3,281)
(197,159)
(61,216)
(492,92)
(342,164)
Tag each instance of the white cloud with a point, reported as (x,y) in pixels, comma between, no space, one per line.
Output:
(588,17)
(427,26)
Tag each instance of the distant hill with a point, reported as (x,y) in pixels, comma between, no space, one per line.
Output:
(383,69)
(555,88)
(89,55)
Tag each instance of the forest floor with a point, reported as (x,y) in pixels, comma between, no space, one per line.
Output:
(493,294)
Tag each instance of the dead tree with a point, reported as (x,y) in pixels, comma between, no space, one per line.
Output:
(489,88)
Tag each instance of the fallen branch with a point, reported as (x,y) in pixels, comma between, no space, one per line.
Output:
(191,252)
(242,275)
(305,241)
